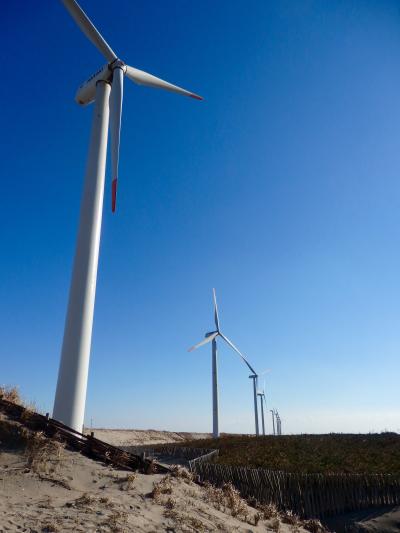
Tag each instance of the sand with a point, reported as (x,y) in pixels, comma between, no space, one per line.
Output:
(75,493)
(138,437)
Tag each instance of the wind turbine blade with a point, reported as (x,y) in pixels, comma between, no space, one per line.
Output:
(266,371)
(205,341)
(89,29)
(115,128)
(144,78)
(216,318)
(241,355)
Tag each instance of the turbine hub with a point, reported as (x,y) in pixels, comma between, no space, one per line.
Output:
(118,64)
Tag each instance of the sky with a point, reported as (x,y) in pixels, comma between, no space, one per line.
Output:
(281,190)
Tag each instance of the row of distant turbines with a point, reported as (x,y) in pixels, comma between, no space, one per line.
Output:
(212,336)
(276,422)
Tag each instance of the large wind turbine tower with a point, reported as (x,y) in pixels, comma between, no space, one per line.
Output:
(105,89)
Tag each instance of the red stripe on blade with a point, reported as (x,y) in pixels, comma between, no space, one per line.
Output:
(114,194)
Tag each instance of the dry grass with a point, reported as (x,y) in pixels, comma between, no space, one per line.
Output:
(170,503)
(86,500)
(149,468)
(30,410)
(11,394)
(313,525)
(117,521)
(214,495)
(184,521)
(160,488)
(126,482)
(227,498)
(106,502)
(12,435)
(275,525)
(172,514)
(43,454)
(50,527)
(257,517)
(268,510)
(129,481)
(289,517)
(234,501)
(182,473)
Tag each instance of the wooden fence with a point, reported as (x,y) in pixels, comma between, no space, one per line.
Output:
(173,451)
(86,444)
(308,495)
(204,457)
(192,455)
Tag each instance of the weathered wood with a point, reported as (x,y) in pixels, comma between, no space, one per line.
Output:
(309,495)
(87,445)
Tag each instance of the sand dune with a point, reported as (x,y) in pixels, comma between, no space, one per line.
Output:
(137,437)
(62,490)
(47,488)
(84,495)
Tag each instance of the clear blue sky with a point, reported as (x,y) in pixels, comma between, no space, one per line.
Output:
(281,189)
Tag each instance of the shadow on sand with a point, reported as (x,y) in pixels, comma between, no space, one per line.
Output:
(378,520)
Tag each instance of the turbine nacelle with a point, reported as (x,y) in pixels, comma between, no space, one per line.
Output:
(87,91)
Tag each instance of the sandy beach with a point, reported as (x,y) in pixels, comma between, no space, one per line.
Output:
(45,487)
(78,494)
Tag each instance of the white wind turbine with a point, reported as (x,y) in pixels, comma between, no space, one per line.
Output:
(254,376)
(263,402)
(69,404)
(212,337)
(273,420)
(278,424)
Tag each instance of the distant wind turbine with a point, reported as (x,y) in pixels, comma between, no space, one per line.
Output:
(69,404)
(254,376)
(273,420)
(278,424)
(212,337)
(263,402)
